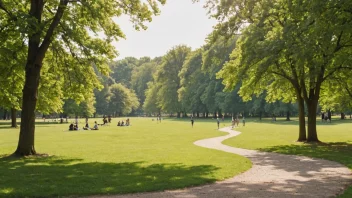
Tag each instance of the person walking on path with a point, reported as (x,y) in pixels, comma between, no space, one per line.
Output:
(192,121)
(218,121)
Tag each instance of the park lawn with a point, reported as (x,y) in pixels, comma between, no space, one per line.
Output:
(280,137)
(114,160)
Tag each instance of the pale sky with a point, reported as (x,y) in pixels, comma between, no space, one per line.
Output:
(180,22)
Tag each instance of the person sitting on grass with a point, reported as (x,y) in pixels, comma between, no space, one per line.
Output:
(122,123)
(86,127)
(75,127)
(70,128)
(119,123)
(95,126)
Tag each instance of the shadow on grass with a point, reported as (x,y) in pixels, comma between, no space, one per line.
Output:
(7,124)
(53,177)
(334,151)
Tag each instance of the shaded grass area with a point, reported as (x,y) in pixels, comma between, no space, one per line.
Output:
(280,137)
(55,176)
(148,156)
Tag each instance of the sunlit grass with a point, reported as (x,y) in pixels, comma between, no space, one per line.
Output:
(280,137)
(144,157)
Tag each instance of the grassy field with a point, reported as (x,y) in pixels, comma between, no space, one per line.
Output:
(280,137)
(143,157)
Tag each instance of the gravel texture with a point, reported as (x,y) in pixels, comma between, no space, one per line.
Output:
(272,175)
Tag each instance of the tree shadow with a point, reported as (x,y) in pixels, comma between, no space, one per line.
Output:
(286,188)
(56,177)
(7,124)
(334,151)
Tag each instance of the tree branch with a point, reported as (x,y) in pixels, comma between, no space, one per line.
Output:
(333,71)
(49,34)
(2,7)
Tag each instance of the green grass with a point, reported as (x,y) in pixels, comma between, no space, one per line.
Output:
(144,157)
(280,137)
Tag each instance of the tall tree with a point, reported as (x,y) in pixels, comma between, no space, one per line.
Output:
(282,51)
(122,100)
(63,27)
(141,75)
(122,70)
(168,80)
(150,104)
(193,82)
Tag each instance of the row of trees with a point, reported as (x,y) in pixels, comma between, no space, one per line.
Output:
(290,51)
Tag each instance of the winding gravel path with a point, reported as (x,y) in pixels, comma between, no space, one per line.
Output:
(272,175)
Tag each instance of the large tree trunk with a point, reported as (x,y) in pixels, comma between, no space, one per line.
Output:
(260,115)
(13,118)
(37,47)
(178,114)
(312,121)
(5,114)
(302,122)
(342,116)
(26,139)
(197,114)
(288,116)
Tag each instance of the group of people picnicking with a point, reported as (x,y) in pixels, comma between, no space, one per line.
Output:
(106,120)
(74,127)
(122,123)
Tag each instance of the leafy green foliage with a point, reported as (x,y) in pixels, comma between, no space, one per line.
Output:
(168,80)
(122,100)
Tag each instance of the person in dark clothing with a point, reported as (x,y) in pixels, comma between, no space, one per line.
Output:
(218,121)
(70,128)
(75,127)
(86,127)
(192,121)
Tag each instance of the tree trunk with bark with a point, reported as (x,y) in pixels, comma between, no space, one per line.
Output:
(37,48)
(197,114)
(30,93)
(302,135)
(260,115)
(288,116)
(5,114)
(13,118)
(342,116)
(178,114)
(312,121)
